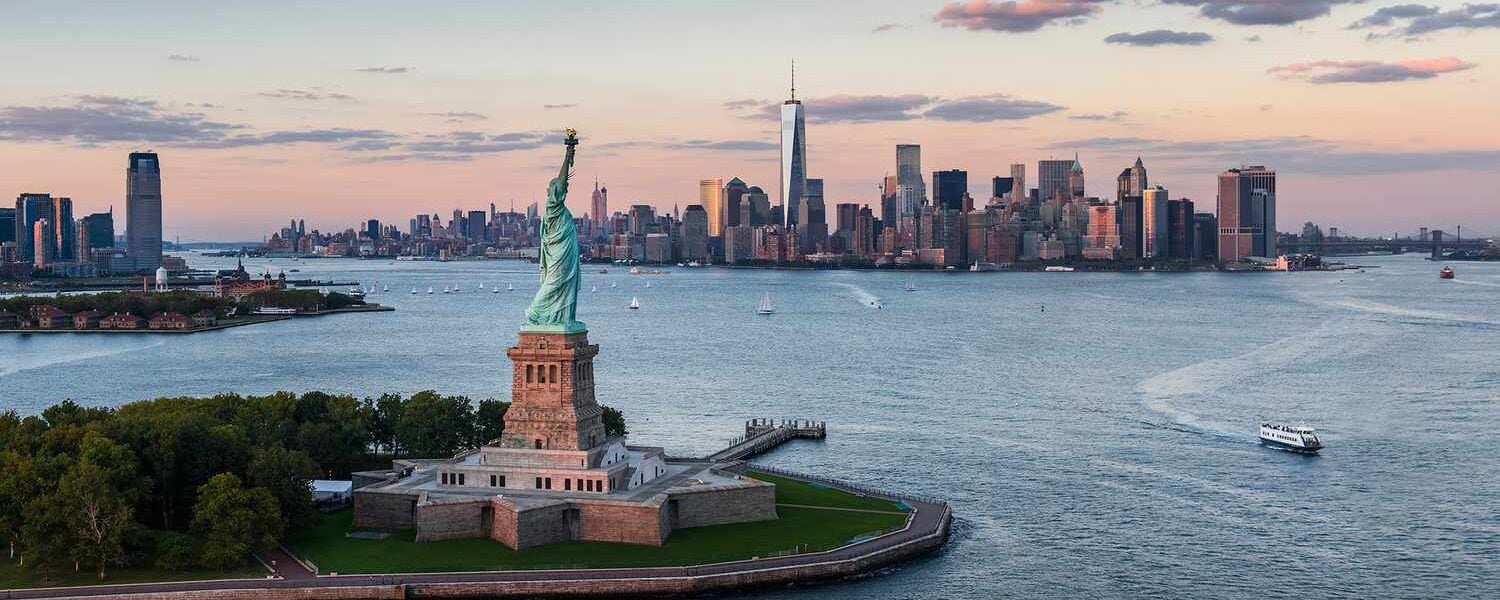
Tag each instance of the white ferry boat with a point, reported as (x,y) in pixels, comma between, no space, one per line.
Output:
(1290,438)
(1058,269)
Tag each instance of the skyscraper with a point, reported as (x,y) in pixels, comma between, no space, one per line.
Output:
(793,154)
(1247,213)
(1052,176)
(1075,180)
(64,231)
(43,243)
(475,226)
(1018,182)
(909,170)
(734,209)
(30,208)
(1132,230)
(143,212)
(695,225)
(812,222)
(372,229)
(1154,222)
(7,225)
(711,199)
(599,207)
(949,188)
(1000,187)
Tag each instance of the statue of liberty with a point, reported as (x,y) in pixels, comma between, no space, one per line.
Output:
(555,305)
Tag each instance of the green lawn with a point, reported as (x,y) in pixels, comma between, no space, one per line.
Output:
(791,491)
(810,529)
(16,577)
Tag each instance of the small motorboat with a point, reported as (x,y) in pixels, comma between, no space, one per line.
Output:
(635,303)
(1446,273)
(1290,438)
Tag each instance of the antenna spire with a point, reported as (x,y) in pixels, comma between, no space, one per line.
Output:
(794,79)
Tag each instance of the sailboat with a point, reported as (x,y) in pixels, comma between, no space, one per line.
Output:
(635,303)
(446,290)
(385,288)
(594,290)
(910,286)
(765,306)
(495,289)
(611,284)
(455,289)
(429,289)
(509,287)
(481,285)
(414,291)
(648,284)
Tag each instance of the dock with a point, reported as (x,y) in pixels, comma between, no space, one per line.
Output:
(762,435)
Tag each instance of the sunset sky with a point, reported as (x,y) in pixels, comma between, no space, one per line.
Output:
(1379,117)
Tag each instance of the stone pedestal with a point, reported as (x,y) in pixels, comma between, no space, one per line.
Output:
(552,393)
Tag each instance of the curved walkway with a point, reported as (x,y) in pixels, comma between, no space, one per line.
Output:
(925,531)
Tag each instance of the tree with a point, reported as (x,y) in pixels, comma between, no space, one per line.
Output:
(433,425)
(234,521)
(385,416)
(614,423)
(287,475)
(98,515)
(489,421)
(18,484)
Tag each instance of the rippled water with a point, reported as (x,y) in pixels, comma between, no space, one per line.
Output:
(1095,432)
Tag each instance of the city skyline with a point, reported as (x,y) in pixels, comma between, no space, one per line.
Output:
(328,126)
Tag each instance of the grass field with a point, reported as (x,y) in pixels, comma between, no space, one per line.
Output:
(16,577)
(830,525)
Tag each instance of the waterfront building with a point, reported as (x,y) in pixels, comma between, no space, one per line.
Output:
(43,243)
(1180,232)
(734,209)
(1246,213)
(372,229)
(1205,236)
(599,207)
(7,225)
(101,229)
(1132,228)
(642,218)
(1154,222)
(30,208)
(121,321)
(739,244)
(143,208)
(711,199)
(1103,239)
(475,225)
(1052,178)
(64,230)
(793,155)
(948,189)
(695,227)
(812,222)
(909,171)
(1018,183)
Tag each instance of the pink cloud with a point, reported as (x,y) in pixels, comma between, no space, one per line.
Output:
(1013,16)
(1370,71)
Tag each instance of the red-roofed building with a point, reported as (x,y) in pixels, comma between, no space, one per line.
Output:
(168,320)
(121,321)
(51,317)
(88,319)
(205,318)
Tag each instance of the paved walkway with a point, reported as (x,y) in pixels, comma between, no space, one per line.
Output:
(928,520)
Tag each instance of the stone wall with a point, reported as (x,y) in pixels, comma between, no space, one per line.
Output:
(452,519)
(718,506)
(548,524)
(623,522)
(384,510)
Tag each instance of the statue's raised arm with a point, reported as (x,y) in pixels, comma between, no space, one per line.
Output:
(555,305)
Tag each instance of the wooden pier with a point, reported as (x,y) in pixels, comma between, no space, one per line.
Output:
(762,435)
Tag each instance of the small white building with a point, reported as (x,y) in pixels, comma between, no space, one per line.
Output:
(332,491)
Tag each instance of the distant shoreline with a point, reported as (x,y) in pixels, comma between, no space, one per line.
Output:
(235,322)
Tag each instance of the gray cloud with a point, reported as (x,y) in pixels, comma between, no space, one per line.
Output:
(1014,16)
(884,27)
(558,106)
(744,103)
(276,138)
(727,145)
(1420,19)
(1119,114)
(290,94)
(1262,12)
(475,142)
(1300,154)
(1161,37)
(100,119)
(458,117)
(385,70)
(1369,71)
(907,107)
(183,58)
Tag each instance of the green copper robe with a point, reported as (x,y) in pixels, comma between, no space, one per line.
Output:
(554,308)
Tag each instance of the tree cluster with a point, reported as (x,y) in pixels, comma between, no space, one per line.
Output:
(135,303)
(174,483)
(302,300)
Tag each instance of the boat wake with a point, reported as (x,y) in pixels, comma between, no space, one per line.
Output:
(1198,383)
(1479,283)
(1370,306)
(33,359)
(861,294)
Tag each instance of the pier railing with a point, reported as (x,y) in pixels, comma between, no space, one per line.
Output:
(847,485)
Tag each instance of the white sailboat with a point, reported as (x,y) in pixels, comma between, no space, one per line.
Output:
(385,288)
(429,289)
(766,308)
(910,286)
(509,287)
(481,285)
(611,284)
(635,303)
(495,289)
(594,290)
(414,291)
(648,284)
(446,290)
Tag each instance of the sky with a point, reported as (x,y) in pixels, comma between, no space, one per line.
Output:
(1379,116)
